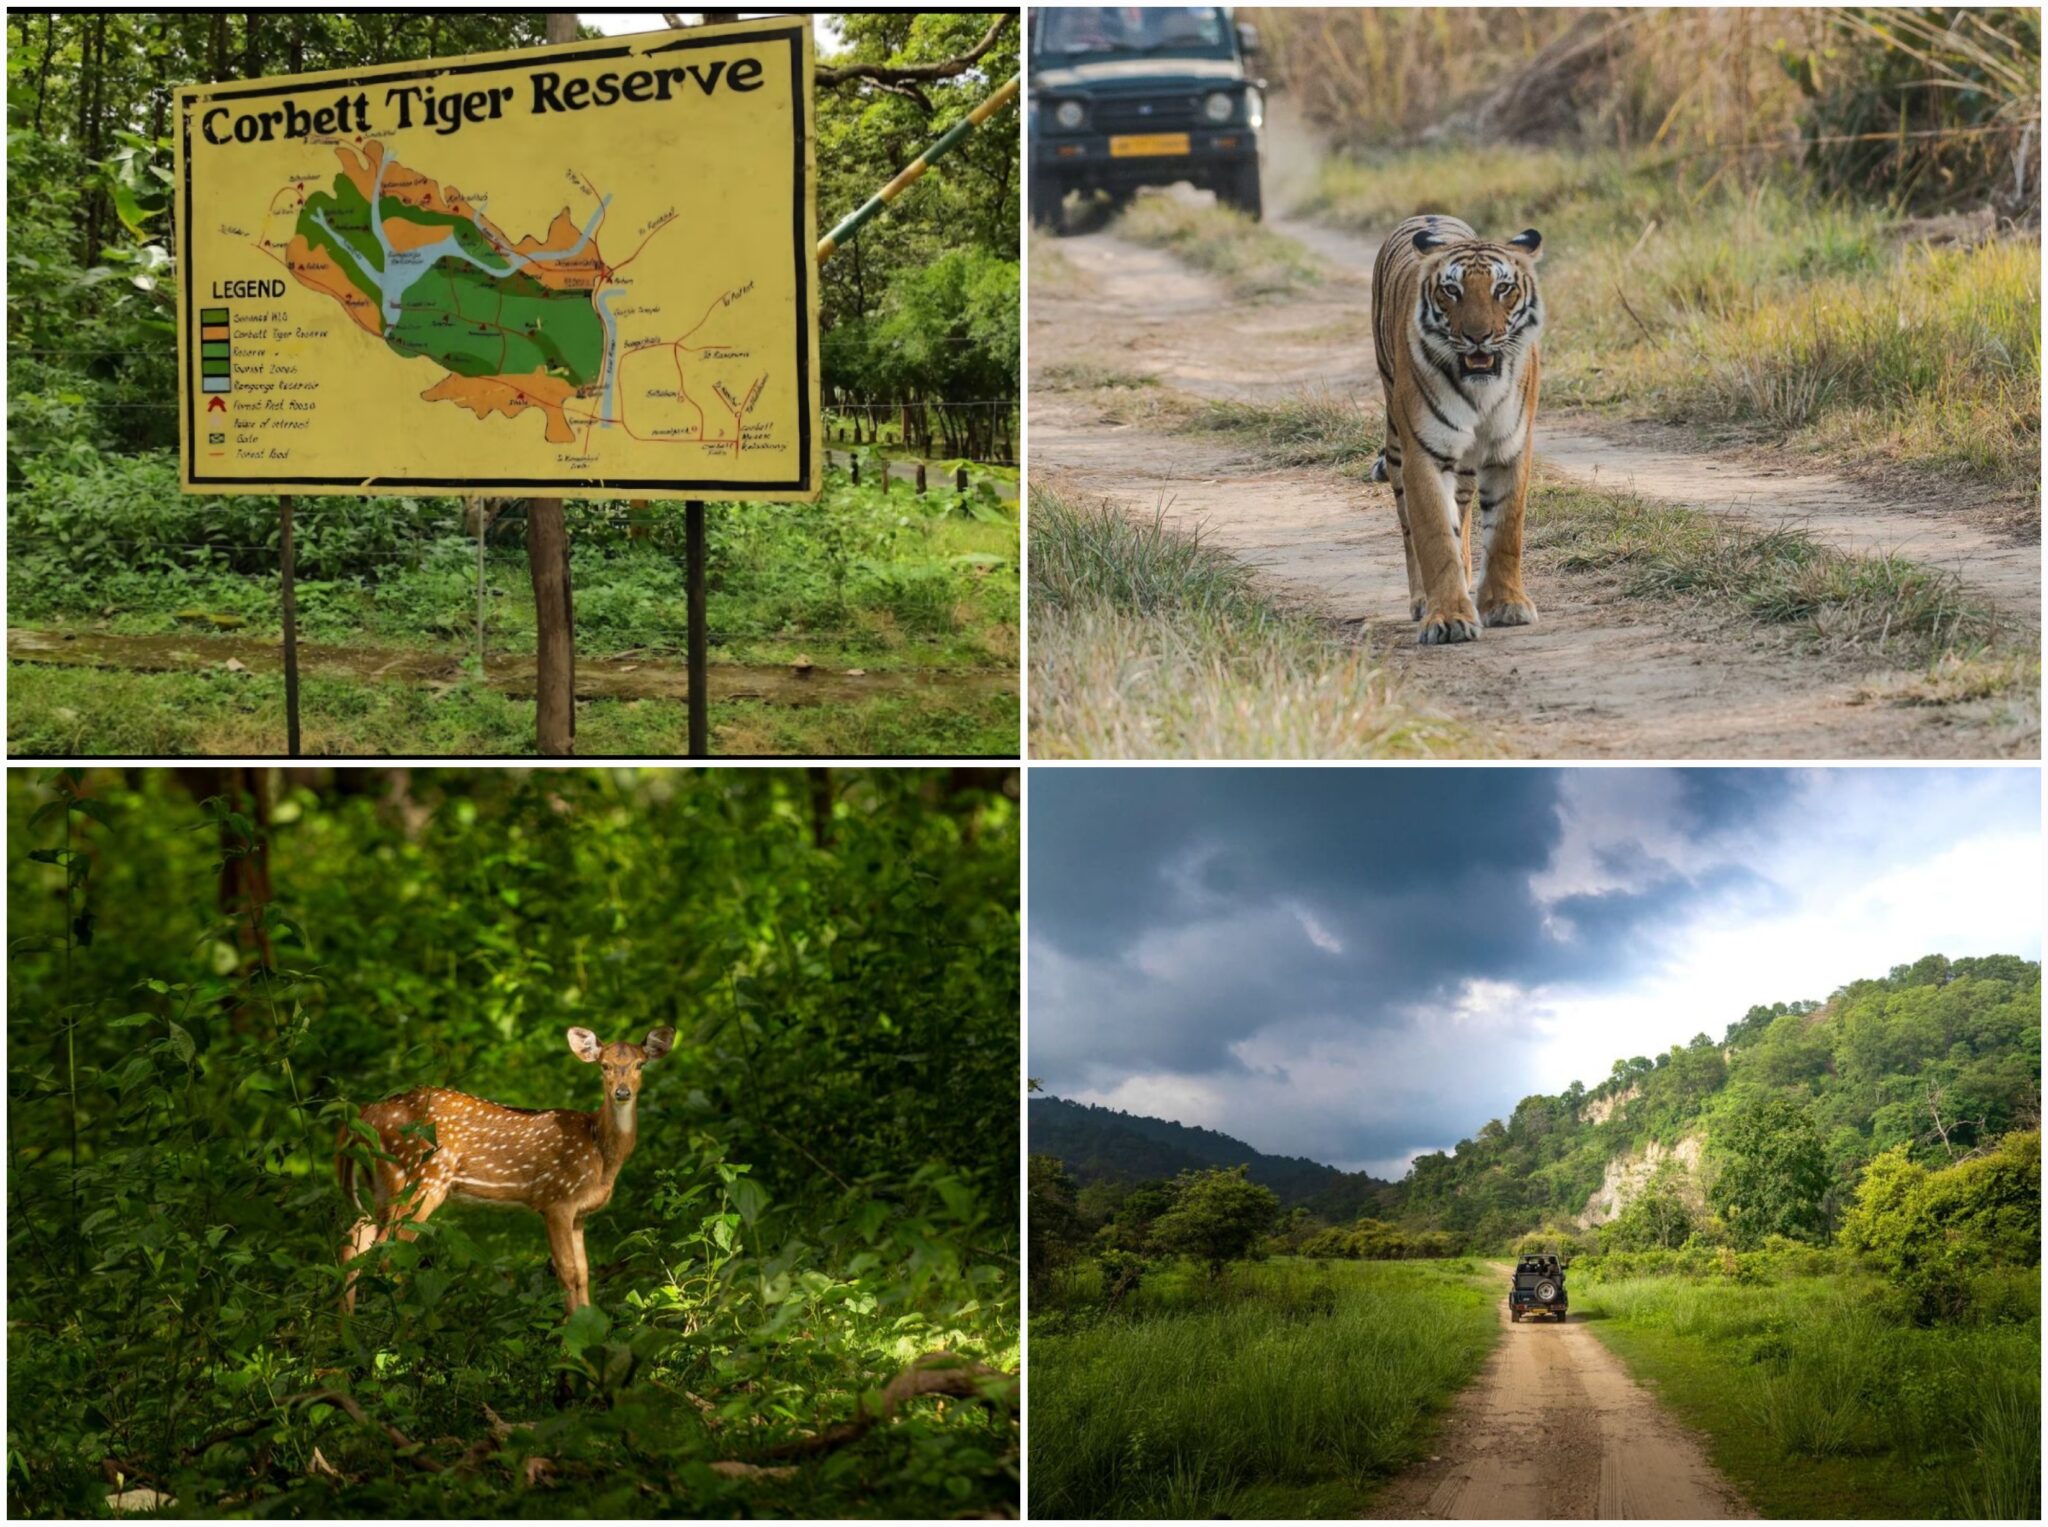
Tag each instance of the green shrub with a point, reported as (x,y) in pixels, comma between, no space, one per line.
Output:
(1931,1233)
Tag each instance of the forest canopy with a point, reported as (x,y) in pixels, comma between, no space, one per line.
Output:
(209,969)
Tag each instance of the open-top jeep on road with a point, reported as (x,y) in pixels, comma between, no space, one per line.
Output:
(1538,1288)
(1129,96)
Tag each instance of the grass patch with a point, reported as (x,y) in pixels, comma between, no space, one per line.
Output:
(1252,259)
(1052,273)
(1310,429)
(1776,577)
(1147,643)
(1286,1389)
(1700,300)
(1087,376)
(1820,1399)
(70,712)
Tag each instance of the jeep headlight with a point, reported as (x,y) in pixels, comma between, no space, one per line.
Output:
(1218,106)
(1070,115)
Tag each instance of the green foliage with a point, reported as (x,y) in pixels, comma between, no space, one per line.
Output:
(1218,1216)
(1377,1241)
(1938,1045)
(1773,1170)
(1056,1230)
(1934,1233)
(1282,1389)
(1656,1217)
(204,977)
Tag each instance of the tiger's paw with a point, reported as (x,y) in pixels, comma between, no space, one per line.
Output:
(1515,609)
(1442,627)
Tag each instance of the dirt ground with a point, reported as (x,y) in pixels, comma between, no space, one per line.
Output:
(1555,1427)
(1600,674)
(597,678)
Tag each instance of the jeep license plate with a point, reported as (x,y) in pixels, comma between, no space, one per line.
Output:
(1143,145)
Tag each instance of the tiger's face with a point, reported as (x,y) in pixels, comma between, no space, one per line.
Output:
(1479,310)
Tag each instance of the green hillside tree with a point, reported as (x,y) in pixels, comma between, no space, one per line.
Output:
(1774,1172)
(1218,1217)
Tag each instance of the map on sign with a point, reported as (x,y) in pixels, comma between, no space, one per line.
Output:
(581,270)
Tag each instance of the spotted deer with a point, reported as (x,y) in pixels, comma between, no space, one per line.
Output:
(559,1162)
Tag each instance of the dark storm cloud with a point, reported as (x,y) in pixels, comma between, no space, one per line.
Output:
(1178,915)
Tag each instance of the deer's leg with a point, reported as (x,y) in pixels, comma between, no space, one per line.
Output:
(582,1261)
(366,1232)
(562,1246)
(430,1192)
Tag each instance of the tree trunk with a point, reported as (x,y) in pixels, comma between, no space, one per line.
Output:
(547,561)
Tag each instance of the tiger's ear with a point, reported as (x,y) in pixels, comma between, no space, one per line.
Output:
(1530,241)
(1427,239)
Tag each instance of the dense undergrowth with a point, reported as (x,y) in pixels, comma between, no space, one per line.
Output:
(885,582)
(1288,1388)
(1756,306)
(824,1190)
(886,576)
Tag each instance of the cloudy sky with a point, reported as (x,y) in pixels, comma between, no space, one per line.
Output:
(1359,965)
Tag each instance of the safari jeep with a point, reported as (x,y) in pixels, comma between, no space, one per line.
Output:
(1538,1288)
(1131,96)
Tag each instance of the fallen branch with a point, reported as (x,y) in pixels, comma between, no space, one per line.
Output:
(936,1373)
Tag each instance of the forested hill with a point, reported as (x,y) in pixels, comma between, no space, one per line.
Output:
(1940,1056)
(1106,1145)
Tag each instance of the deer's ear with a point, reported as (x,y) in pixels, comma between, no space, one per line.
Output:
(584,1044)
(659,1042)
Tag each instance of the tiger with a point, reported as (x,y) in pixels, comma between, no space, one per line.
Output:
(1456,320)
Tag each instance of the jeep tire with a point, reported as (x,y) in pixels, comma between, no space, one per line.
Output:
(1241,190)
(1515,1315)
(1546,1292)
(1048,203)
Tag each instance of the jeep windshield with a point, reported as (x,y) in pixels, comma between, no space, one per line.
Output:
(1136,31)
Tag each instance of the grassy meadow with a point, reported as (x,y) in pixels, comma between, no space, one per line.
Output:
(1288,1388)
(1148,643)
(1820,1398)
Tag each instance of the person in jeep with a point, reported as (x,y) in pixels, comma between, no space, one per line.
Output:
(1124,97)
(1538,1288)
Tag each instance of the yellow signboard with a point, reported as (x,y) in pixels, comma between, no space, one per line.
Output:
(581,270)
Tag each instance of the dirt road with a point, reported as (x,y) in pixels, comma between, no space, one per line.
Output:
(1555,1427)
(1601,674)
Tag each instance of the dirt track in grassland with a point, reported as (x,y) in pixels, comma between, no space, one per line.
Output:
(1555,1427)
(1601,674)
(510,674)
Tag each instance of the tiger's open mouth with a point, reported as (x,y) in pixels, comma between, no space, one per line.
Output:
(1478,363)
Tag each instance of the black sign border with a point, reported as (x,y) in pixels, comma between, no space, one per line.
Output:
(593,487)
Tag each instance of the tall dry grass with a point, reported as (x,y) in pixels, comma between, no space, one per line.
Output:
(1920,107)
